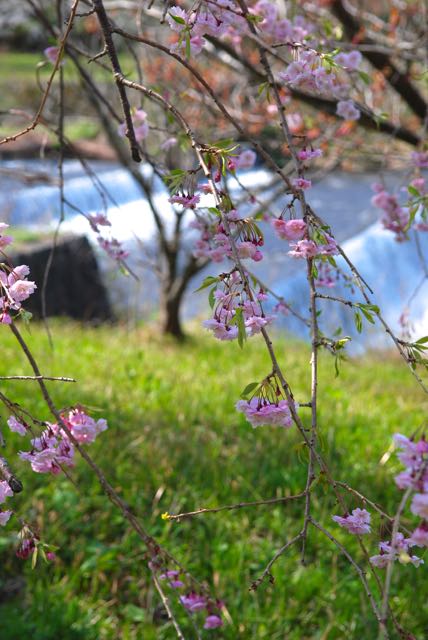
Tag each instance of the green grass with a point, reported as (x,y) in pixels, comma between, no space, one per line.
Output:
(176,443)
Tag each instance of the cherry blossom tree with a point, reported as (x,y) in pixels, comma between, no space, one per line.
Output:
(210,77)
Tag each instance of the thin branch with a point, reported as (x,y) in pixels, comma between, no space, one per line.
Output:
(231,507)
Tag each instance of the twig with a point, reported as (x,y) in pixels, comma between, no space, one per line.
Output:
(278,554)
(230,507)
(117,71)
(55,378)
(167,607)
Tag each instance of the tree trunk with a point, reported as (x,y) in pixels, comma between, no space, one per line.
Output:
(170,312)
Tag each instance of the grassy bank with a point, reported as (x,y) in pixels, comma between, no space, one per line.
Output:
(176,443)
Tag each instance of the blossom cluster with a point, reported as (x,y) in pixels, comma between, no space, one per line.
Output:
(193,602)
(14,286)
(398,216)
(224,19)
(54,448)
(263,412)
(414,455)
(311,73)
(296,232)
(112,247)
(214,242)
(267,406)
(236,311)
(5,492)
(357,522)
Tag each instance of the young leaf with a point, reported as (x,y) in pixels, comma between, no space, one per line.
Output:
(413,190)
(358,322)
(248,389)
(211,297)
(240,323)
(177,19)
(209,280)
(364,77)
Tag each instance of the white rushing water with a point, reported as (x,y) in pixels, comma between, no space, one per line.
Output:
(392,269)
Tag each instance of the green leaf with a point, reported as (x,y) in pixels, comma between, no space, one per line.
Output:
(211,297)
(226,143)
(177,19)
(412,213)
(188,51)
(413,191)
(422,340)
(248,389)
(240,323)
(358,322)
(367,315)
(34,558)
(209,280)
(364,77)
(336,366)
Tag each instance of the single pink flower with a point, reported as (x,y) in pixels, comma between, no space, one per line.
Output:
(4,517)
(358,522)
(346,109)
(289,229)
(301,183)
(5,491)
(16,426)
(212,622)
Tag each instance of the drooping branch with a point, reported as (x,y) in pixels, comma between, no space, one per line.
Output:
(398,81)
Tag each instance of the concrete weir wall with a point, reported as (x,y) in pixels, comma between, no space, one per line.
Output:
(74,286)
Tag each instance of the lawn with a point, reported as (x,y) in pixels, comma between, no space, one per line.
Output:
(176,443)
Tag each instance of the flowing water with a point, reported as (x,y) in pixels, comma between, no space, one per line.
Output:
(392,269)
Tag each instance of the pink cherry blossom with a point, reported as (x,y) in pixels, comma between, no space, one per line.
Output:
(26,548)
(83,427)
(193,602)
(289,229)
(16,426)
(309,154)
(51,54)
(21,290)
(398,551)
(4,517)
(420,159)
(419,537)
(4,240)
(140,124)
(350,61)
(212,622)
(301,183)
(303,249)
(5,491)
(358,522)
(183,19)
(346,109)
(419,505)
(221,330)
(113,248)
(98,219)
(249,250)
(263,413)
(189,201)
(246,159)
